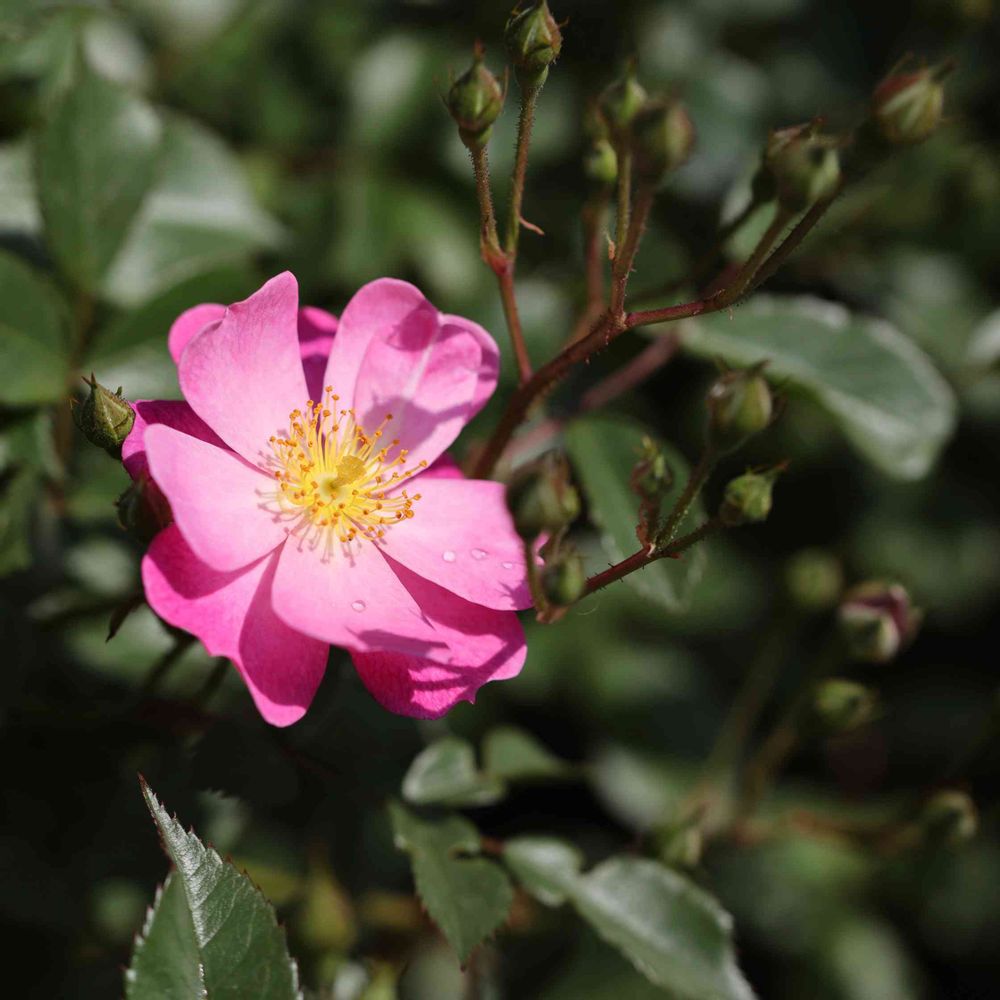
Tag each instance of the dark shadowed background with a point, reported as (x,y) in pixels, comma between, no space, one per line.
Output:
(311,136)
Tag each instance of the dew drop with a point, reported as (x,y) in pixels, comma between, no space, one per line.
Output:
(507,565)
(358,605)
(448,556)
(478,554)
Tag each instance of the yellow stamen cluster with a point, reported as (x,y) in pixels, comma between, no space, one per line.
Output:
(333,476)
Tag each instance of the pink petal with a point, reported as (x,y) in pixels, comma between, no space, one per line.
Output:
(231,614)
(246,377)
(316,330)
(489,362)
(352,599)
(216,497)
(487,645)
(445,467)
(461,537)
(377,307)
(190,323)
(173,413)
(425,374)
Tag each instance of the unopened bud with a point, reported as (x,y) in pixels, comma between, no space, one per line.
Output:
(841,705)
(739,406)
(601,163)
(806,169)
(104,417)
(949,818)
(747,499)
(541,497)
(143,510)
(663,138)
(681,846)
(814,579)
(877,620)
(533,42)
(908,107)
(621,100)
(564,578)
(475,100)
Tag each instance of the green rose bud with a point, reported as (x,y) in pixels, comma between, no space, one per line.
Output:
(533,42)
(840,705)
(104,417)
(908,107)
(814,579)
(475,100)
(663,138)
(739,406)
(601,163)
(877,620)
(681,846)
(540,496)
(805,168)
(747,499)
(143,510)
(564,578)
(621,100)
(949,818)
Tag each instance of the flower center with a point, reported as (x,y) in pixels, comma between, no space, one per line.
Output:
(334,478)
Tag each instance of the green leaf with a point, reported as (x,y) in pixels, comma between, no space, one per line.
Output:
(511,754)
(880,388)
(165,957)
(672,931)
(200,215)
(445,774)
(467,897)
(95,160)
(604,451)
(235,939)
(33,341)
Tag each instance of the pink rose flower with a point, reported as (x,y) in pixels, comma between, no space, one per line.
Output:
(313,503)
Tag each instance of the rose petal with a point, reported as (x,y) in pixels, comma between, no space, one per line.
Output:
(246,377)
(172,413)
(352,599)
(231,614)
(462,537)
(189,324)
(316,330)
(489,645)
(217,498)
(425,374)
(489,360)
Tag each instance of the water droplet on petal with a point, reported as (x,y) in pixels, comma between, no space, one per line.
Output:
(448,555)
(358,605)
(478,553)
(507,565)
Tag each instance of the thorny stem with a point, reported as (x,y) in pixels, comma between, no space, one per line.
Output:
(624,195)
(625,252)
(642,558)
(525,122)
(606,328)
(595,216)
(743,279)
(502,264)
(633,373)
(705,260)
(699,474)
(489,242)
(534,583)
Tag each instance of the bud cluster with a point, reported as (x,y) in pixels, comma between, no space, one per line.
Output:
(908,107)
(541,497)
(657,130)
(747,498)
